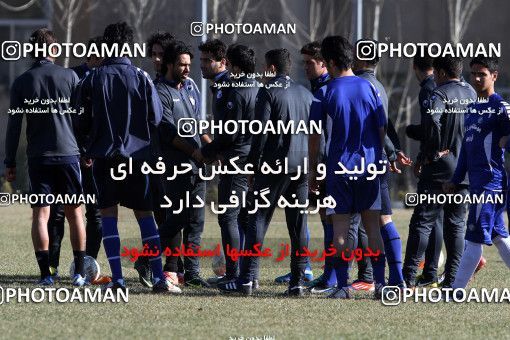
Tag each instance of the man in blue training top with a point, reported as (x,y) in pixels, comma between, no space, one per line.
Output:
(121,113)
(52,151)
(93,225)
(487,126)
(355,130)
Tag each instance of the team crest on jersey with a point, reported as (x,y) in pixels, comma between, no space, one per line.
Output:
(230,105)
(480,120)
(425,103)
(218,94)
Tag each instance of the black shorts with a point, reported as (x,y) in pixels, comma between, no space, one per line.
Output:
(56,179)
(132,192)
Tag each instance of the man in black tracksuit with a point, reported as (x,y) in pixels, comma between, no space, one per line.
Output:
(443,131)
(425,74)
(281,100)
(240,105)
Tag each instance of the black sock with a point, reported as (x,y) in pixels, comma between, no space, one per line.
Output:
(43,260)
(78,262)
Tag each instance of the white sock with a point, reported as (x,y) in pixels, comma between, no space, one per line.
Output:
(503,245)
(468,263)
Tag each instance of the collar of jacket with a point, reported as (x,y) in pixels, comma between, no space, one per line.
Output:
(116,60)
(426,80)
(319,81)
(41,61)
(220,76)
(365,71)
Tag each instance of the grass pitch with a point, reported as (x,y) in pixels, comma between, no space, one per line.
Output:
(205,314)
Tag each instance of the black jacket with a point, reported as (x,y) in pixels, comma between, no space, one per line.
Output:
(443,129)
(290,102)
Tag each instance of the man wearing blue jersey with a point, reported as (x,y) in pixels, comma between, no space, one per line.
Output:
(93,225)
(486,124)
(392,154)
(356,129)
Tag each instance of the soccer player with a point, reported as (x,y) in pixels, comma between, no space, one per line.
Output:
(52,151)
(240,106)
(281,100)
(93,225)
(441,141)
(122,111)
(177,104)
(392,154)
(356,124)
(487,126)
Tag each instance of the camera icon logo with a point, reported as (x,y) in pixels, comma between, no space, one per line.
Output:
(187,127)
(197,29)
(5,199)
(11,50)
(390,296)
(366,50)
(411,199)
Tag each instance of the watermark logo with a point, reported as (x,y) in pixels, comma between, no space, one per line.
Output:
(198,28)
(14,50)
(370,50)
(394,295)
(11,50)
(412,199)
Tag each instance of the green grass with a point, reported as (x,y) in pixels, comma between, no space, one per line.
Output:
(204,314)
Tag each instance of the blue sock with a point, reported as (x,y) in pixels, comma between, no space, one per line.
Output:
(111,243)
(341,270)
(150,235)
(308,264)
(329,274)
(393,250)
(378,265)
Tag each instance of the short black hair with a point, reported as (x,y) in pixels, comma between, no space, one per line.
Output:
(94,41)
(451,65)
(280,58)
(119,33)
(313,49)
(160,38)
(338,49)
(216,47)
(423,63)
(370,61)
(491,63)
(242,56)
(40,37)
(172,52)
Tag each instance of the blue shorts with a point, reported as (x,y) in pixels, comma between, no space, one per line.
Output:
(56,179)
(353,196)
(132,192)
(485,220)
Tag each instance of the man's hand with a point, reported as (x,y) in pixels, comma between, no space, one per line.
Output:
(313,183)
(393,167)
(449,187)
(198,156)
(86,162)
(403,159)
(10,174)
